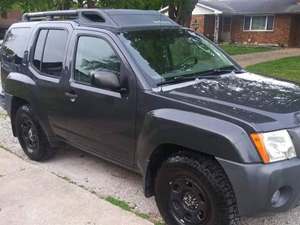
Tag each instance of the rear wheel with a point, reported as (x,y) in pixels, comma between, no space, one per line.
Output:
(31,136)
(195,192)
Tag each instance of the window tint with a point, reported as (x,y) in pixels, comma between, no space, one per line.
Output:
(170,54)
(94,54)
(15,44)
(2,33)
(54,52)
(38,54)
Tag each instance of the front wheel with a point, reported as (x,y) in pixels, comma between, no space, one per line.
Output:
(31,136)
(195,192)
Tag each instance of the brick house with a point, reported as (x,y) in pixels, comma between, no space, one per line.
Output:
(265,22)
(7,19)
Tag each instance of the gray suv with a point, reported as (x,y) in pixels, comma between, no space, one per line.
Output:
(211,141)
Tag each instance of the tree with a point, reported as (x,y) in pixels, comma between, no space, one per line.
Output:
(6,5)
(91,3)
(181,10)
(36,5)
(63,4)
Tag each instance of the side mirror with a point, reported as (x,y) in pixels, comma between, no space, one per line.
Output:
(106,80)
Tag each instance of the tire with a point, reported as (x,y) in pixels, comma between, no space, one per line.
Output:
(31,136)
(195,192)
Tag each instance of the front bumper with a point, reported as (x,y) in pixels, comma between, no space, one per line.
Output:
(255,184)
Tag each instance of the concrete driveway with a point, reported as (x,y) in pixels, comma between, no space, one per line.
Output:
(255,58)
(99,177)
(30,195)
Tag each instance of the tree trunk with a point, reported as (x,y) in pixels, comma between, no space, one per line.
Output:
(91,3)
(80,4)
(181,11)
(172,11)
(67,4)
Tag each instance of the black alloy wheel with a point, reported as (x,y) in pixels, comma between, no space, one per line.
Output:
(189,202)
(195,191)
(31,136)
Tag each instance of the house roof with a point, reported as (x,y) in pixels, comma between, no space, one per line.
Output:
(253,6)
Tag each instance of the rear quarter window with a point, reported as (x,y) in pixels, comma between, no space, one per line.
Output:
(15,44)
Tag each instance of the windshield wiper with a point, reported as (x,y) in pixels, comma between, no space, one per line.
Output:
(219,71)
(177,79)
(209,74)
(181,79)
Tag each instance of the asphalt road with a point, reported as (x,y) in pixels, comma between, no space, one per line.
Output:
(106,179)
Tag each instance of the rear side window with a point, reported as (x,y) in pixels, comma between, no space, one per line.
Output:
(50,51)
(15,45)
(38,54)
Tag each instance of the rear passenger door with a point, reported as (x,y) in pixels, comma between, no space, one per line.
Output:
(47,67)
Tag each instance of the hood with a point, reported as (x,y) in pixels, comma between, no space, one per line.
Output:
(249,97)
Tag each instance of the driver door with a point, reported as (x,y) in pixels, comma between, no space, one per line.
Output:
(101,121)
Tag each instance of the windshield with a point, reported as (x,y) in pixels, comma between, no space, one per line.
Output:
(172,54)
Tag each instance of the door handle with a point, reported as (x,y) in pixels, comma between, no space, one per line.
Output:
(72,96)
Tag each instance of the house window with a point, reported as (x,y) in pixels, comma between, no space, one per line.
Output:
(259,23)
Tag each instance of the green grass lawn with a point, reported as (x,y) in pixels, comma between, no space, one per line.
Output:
(287,69)
(232,49)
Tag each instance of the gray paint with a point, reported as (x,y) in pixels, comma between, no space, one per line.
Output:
(142,120)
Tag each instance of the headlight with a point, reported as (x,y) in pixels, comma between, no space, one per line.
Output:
(274,146)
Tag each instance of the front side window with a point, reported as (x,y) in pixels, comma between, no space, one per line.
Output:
(259,23)
(15,45)
(166,55)
(94,54)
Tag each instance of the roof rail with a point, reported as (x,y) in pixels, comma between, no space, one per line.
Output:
(82,15)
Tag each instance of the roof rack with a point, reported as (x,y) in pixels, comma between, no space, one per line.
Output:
(117,20)
(82,15)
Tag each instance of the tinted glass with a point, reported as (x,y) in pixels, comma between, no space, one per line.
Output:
(172,53)
(38,53)
(94,54)
(2,33)
(54,52)
(270,23)
(15,44)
